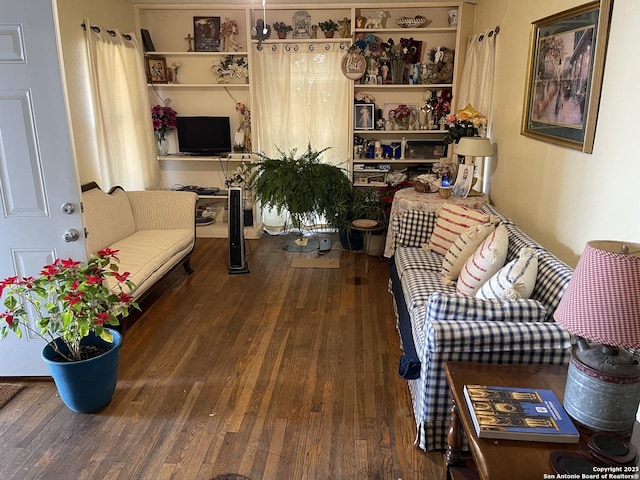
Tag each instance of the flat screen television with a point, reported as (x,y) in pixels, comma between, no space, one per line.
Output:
(204,135)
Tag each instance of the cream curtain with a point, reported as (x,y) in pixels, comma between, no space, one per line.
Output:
(124,132)
(301,97)
(476,86)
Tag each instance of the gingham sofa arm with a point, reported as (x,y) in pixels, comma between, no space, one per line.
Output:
(490,337)
(452,306)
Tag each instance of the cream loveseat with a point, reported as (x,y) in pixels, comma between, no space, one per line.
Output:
(154,231)
(438,324)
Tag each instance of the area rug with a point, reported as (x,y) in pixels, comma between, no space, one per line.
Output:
(8,391)
(316,262)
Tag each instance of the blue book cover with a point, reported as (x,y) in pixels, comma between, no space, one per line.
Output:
(529,414)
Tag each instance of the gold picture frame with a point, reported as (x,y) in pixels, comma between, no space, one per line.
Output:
(564,77)
(156,69)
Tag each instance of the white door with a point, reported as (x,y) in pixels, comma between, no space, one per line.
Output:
(37,167)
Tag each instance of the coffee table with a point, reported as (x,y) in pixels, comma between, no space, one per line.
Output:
(498,459)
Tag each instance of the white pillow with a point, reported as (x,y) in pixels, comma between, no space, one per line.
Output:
(515,280)
(488,258)
(452,221)
(460,250)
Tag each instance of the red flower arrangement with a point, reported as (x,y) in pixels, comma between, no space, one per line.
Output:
(164,119)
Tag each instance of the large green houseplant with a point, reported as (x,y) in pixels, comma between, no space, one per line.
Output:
(301,185)
(70,305)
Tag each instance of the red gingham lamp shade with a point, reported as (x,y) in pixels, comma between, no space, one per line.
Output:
(602,301)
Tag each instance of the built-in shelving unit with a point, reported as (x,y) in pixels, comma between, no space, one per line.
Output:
(197,92)
(423,146)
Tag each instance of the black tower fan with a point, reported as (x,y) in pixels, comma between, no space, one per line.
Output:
(237,263)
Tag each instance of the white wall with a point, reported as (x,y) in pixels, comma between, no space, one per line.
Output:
(110,14)
(562,197)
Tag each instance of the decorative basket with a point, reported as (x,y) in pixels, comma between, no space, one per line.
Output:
(420,187)
(426,183)
(407,22)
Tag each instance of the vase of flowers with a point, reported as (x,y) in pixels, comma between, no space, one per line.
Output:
(404,117)
(164,120)
(467,122)
(71,306)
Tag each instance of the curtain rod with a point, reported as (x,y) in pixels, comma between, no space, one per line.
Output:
(110,32)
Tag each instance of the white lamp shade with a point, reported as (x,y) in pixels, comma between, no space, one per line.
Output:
(602,301)
(474,147)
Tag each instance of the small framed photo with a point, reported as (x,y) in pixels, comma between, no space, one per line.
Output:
(364,116)
(147,43)
(206,32)
(564,77)
(156,69)
(395,112)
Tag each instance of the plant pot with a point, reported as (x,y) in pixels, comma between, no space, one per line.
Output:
(87,385)
(282,35)
(351,239)
(328,34)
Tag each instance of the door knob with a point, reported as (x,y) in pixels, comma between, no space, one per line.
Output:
(71,235)
(68,208)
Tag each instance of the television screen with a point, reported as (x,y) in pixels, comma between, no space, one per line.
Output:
(204,135)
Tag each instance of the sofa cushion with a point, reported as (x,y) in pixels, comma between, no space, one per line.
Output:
(515,280)
(144,252)
(107,218)
(488,258)
(413,228)
(452,221)
(461,249)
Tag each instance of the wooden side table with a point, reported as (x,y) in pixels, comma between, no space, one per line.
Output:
(367,227)
(497,459)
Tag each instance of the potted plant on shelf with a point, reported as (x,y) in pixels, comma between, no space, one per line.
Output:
(282,29)
(329,28)
(70,305)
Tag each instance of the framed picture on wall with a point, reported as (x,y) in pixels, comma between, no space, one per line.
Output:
(206,33)
(564,78)
(156,69)
(301,25)
(364,116)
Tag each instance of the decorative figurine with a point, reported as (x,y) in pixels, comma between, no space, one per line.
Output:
(376,22)
(189,40)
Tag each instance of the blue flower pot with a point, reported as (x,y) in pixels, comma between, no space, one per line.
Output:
(87,385)
(351,239)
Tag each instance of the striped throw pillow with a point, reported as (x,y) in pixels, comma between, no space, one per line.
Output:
(460,250)
(452,221)
(515,280)
(488,258)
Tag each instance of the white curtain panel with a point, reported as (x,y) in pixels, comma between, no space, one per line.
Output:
(123,128)
(476,86)
(301,97)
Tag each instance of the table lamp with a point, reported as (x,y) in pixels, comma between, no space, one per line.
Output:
(601,306)
(473,147)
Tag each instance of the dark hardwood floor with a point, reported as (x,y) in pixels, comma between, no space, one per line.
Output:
(282,373)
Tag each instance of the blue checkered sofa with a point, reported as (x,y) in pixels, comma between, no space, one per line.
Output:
(437,325)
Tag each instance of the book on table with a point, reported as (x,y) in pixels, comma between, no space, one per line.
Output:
(529,414)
